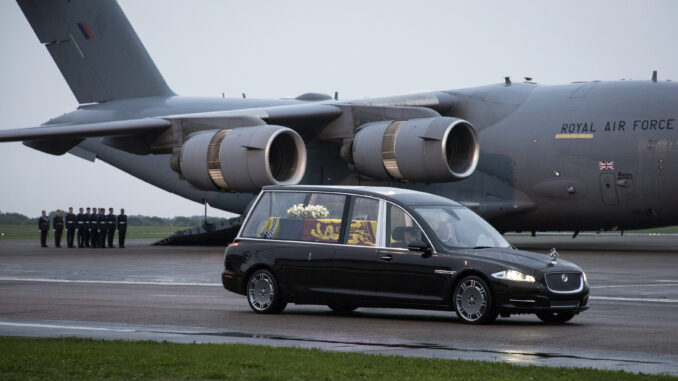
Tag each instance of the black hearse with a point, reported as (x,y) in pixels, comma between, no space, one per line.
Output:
(351,247)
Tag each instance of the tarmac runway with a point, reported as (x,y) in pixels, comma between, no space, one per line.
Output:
(173,293)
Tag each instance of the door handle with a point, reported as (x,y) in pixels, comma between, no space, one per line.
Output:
(387,257)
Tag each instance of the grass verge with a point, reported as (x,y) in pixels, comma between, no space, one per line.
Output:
(31,232)
(72,358)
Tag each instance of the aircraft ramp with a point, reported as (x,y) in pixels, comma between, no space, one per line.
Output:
(207,234)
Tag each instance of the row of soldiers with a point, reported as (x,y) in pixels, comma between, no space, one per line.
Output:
(93,229)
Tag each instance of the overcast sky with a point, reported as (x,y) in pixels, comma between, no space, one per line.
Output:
(274,49)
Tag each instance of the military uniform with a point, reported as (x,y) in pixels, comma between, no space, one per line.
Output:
(111,226)
(43,225)
(58,224)
(102,229)
(122,229)
(70,228)
(86,231)
(81,223)
(93,227)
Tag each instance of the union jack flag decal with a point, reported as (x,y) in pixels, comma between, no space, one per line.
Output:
(606,165)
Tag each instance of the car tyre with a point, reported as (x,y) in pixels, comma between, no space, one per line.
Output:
(342,309)
(558,317)
(263,293)
(474,302)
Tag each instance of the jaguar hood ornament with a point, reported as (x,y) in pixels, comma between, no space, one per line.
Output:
(553,254)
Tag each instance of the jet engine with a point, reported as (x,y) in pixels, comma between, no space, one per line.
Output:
(242,159)
(418,150)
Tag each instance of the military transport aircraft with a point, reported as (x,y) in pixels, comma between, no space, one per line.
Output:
(583,156)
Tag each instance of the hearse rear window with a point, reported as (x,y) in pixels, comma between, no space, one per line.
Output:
(363,229)
(297,216)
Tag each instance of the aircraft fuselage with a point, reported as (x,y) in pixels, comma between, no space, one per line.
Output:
(583,156)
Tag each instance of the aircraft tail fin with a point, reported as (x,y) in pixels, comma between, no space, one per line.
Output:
(96,49)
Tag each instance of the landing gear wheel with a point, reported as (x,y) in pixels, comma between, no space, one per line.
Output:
(263,293)
(342,309)
(555,317)
(473,301)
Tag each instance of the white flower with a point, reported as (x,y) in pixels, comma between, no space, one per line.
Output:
(311,211)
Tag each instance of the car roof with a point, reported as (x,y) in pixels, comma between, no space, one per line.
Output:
(400,195)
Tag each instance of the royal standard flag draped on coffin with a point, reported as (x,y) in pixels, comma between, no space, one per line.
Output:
(362,232)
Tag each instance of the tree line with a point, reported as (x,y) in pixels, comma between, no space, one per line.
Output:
(133,220)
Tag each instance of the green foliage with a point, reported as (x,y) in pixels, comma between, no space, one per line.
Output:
(17,219)
(26,358)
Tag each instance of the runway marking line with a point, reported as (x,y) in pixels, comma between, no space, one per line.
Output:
(624,299)
(130,282)
(637,285)
(196,284)
(32,325)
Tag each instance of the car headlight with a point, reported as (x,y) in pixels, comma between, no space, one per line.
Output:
(514,275)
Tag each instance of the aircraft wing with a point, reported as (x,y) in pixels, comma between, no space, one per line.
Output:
(58,139)
(293,116)
(85,130)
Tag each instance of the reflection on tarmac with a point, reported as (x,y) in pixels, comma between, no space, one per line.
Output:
(172,293)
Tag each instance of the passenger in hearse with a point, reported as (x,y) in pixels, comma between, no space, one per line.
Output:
(445,233)
(397,237)
(410,235)
(403,236)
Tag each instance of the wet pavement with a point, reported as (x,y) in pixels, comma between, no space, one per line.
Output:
(174,294)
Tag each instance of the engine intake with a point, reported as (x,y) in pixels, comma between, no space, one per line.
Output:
(418,150)
(242,159)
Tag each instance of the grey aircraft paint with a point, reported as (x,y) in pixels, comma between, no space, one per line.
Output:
(582,156)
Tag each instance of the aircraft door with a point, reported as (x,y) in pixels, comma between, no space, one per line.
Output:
(608,189)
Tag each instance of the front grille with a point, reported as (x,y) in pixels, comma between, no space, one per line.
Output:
(569,283)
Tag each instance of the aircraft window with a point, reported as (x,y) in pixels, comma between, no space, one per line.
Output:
(300,216)
(401,228)
(363,222)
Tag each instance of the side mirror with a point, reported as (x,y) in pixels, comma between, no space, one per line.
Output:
(420,246)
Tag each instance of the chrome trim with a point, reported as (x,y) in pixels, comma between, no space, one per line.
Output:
(381,224)
(573,304)
(521,301)
(444,272)
(272,240)
(579,289)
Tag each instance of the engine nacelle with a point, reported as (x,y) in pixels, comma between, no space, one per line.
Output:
(242,159)
(418,150)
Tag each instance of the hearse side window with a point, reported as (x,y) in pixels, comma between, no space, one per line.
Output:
(271,204)
(401,228)
(363,230)
(298,216)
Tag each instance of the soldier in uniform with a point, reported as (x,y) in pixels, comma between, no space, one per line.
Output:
(102,223)
(86,232)
(43,225)
(111,226)
(58,226)
(81,223)
(93,237)
(122,228)
(70,227)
